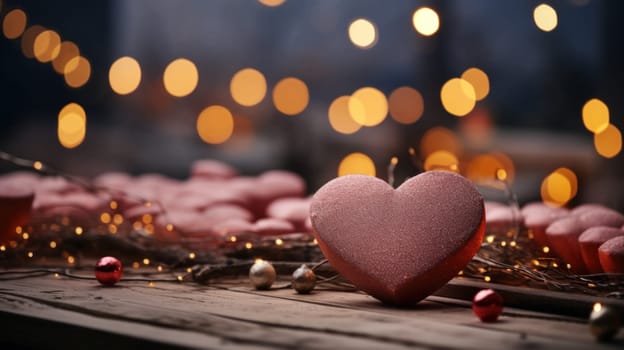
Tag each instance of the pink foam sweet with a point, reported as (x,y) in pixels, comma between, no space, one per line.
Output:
(79,208)
(586,207)
(283,183)
(611,255)
(601,217)
(502,219)
(295,210)
(533,207)
(201,194)
(88,202)
(220,213)
(22,179)
(57,184)
(562,236)
(182,221)
(399,245)
(268,187)
(112,180)
(590,240)
(273,227)
(138,211)
(489,205)
(212,169)
(233,227)
(538,220)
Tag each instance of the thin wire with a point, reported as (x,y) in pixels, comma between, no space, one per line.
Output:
(66,273)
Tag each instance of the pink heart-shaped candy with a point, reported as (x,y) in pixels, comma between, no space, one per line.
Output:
(399,245)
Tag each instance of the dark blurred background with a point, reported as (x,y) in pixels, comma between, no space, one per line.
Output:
(532,117)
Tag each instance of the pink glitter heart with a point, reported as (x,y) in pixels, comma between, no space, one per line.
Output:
(399,245)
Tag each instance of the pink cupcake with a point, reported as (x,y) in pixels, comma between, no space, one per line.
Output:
(611,255)
(593,238)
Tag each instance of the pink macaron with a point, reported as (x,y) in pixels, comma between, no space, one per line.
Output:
(294,210)
(212,169)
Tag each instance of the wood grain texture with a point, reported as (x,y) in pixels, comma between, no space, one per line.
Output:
(48,312)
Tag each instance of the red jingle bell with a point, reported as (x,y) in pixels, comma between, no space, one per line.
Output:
(487,305)
(108,270)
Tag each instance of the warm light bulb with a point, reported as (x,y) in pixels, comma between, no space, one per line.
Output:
(597,307)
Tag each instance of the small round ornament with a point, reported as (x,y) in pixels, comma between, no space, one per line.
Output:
(604,322)
(487,305)
(303,279)
(108,270)
(262,274)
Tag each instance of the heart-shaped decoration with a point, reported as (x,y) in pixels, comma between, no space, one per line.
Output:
(399,245)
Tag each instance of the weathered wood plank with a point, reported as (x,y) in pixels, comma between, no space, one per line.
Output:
(456,311)
(570,304)
(32,325)
(281,319)
(65,328)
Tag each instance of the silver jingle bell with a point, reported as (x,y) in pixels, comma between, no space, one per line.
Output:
(604,322)
(303,280)
(262,274)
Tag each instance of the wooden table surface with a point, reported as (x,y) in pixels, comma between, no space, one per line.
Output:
(64,313)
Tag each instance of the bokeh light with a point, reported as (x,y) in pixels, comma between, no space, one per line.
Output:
(426,21)
(291,96)
(479,81)
(340,118)
(595,115)
(180,77)
(608,143)
(248,87)
(77,72)
(458,97)
(72,125)
(68,50)
(440,138)
(356,163)
(442,160)
(14,24)
(406,105)
(215,124)
(545,17)
(271,3)
(47,46)
(572,178)
(363,33)
(28,40)
(558,189)
(368,106)
(124,75)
